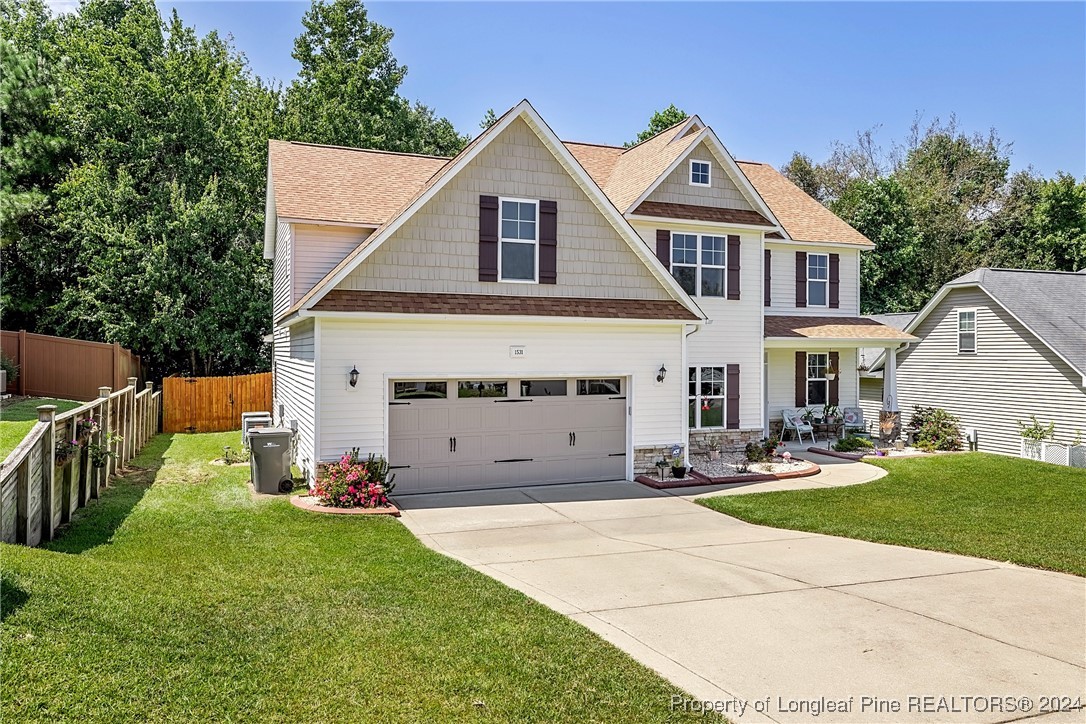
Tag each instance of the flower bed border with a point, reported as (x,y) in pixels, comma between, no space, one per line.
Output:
(860,457)
(701,479)
(302,502)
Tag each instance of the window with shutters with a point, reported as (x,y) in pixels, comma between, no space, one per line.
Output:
(706,396)
(818,387)
(518,241)
(967,331)
(818,280)
(699,263)
(700,173)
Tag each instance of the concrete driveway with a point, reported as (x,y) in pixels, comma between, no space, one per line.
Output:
(775,625)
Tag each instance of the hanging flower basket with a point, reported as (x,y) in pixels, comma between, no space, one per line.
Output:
(65,451)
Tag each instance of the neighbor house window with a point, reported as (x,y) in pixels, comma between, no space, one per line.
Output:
(698,263)
(706,397)
(699,173)
(518,245)
(818,280)
(967,331)
(818,387)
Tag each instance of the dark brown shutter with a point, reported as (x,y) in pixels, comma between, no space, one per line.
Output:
(733,267)
(801,379)
(767,273)
(733,397)
(548,242)
(835,282)
(801,279)
(663,247)
(835,390)
(488,238)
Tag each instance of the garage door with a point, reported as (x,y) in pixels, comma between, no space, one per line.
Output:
(467,434)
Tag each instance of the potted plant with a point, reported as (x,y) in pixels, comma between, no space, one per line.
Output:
(101,453)
(712,445)
(809,415)
(678,470)
(831,413)
(661,468)
(65,451)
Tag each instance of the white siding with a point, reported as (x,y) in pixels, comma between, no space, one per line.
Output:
(782,379)
(356,416)
(281,294)
(1011,376)
(871,400)
(317,249)
(677,189)
(293,388)
(437,249)
(783,281)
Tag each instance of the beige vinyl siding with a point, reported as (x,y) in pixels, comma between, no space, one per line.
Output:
(1012,375)
(437,249)
(871,401)
(317,249)
(293,387)
(782,379)
(677,189)
(281,291)
(783,282)
(480,350)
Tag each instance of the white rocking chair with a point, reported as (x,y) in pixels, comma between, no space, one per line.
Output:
(794,422)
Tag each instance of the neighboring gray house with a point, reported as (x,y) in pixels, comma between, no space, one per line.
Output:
(870,378)
(996,346)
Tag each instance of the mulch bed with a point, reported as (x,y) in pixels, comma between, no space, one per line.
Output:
(695,478)
(308,502)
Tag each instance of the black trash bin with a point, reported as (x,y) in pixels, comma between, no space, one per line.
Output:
(269,459)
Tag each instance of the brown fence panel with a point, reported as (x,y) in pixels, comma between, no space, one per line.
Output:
(212,404)
(69,369)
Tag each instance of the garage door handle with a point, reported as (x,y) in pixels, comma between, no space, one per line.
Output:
(399,403)
(571,439)
(519,399)
(616,455)
(617,398)
(515,460)
(398,467)
(575,439)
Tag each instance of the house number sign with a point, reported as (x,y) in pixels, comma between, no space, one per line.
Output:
(517,351)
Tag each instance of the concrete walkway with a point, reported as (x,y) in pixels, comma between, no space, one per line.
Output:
(774,625)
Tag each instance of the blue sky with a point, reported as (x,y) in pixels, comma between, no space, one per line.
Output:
(770,78)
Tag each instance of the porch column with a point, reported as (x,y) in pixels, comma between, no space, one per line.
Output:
(890,417)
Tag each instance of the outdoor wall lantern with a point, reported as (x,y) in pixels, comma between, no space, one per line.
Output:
(354,375)
(661,374)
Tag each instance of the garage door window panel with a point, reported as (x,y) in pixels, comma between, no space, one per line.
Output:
(426,390)
(543,388)
(480,388)
(612,386)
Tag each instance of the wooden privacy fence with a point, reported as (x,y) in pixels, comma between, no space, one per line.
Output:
(213,404)
(46,478)
(68,369)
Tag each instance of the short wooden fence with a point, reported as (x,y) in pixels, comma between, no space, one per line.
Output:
(67,369)
(51,474)
(213,404)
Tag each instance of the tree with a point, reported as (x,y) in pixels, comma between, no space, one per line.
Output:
(804,173)
(489,119)
(346,92)
(660,121)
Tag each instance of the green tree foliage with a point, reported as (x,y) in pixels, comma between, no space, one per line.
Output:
(942,204)
(346,92)
(489,119)
(660,121)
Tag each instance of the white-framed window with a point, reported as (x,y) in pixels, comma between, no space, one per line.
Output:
(699,263)
(818,280)
(818,387)
(706,396)
(518,240)
(700,173)
(967,331)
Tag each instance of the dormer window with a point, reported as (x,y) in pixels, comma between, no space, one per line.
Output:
(700,173)
(518,248)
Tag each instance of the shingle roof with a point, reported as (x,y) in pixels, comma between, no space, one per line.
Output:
(642,164)
(807,327)
(702,213)
(347,300)
(801,216)
(1051,304)
(900,320)
(348,185)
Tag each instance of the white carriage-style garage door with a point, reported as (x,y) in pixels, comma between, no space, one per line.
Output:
(465,434)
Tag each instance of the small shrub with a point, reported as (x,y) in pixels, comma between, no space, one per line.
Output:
(852,443)
(756,452)
(770,444)
(1035,430)
(100,453)
(230,456)
(9,366)
(352,483)
(937,429)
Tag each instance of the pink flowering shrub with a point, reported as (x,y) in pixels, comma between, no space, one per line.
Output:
(354,483)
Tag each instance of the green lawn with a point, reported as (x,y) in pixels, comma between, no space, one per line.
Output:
(17,419)
(178,597)
(977,504)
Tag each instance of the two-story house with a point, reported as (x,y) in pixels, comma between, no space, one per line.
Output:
(534,311)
